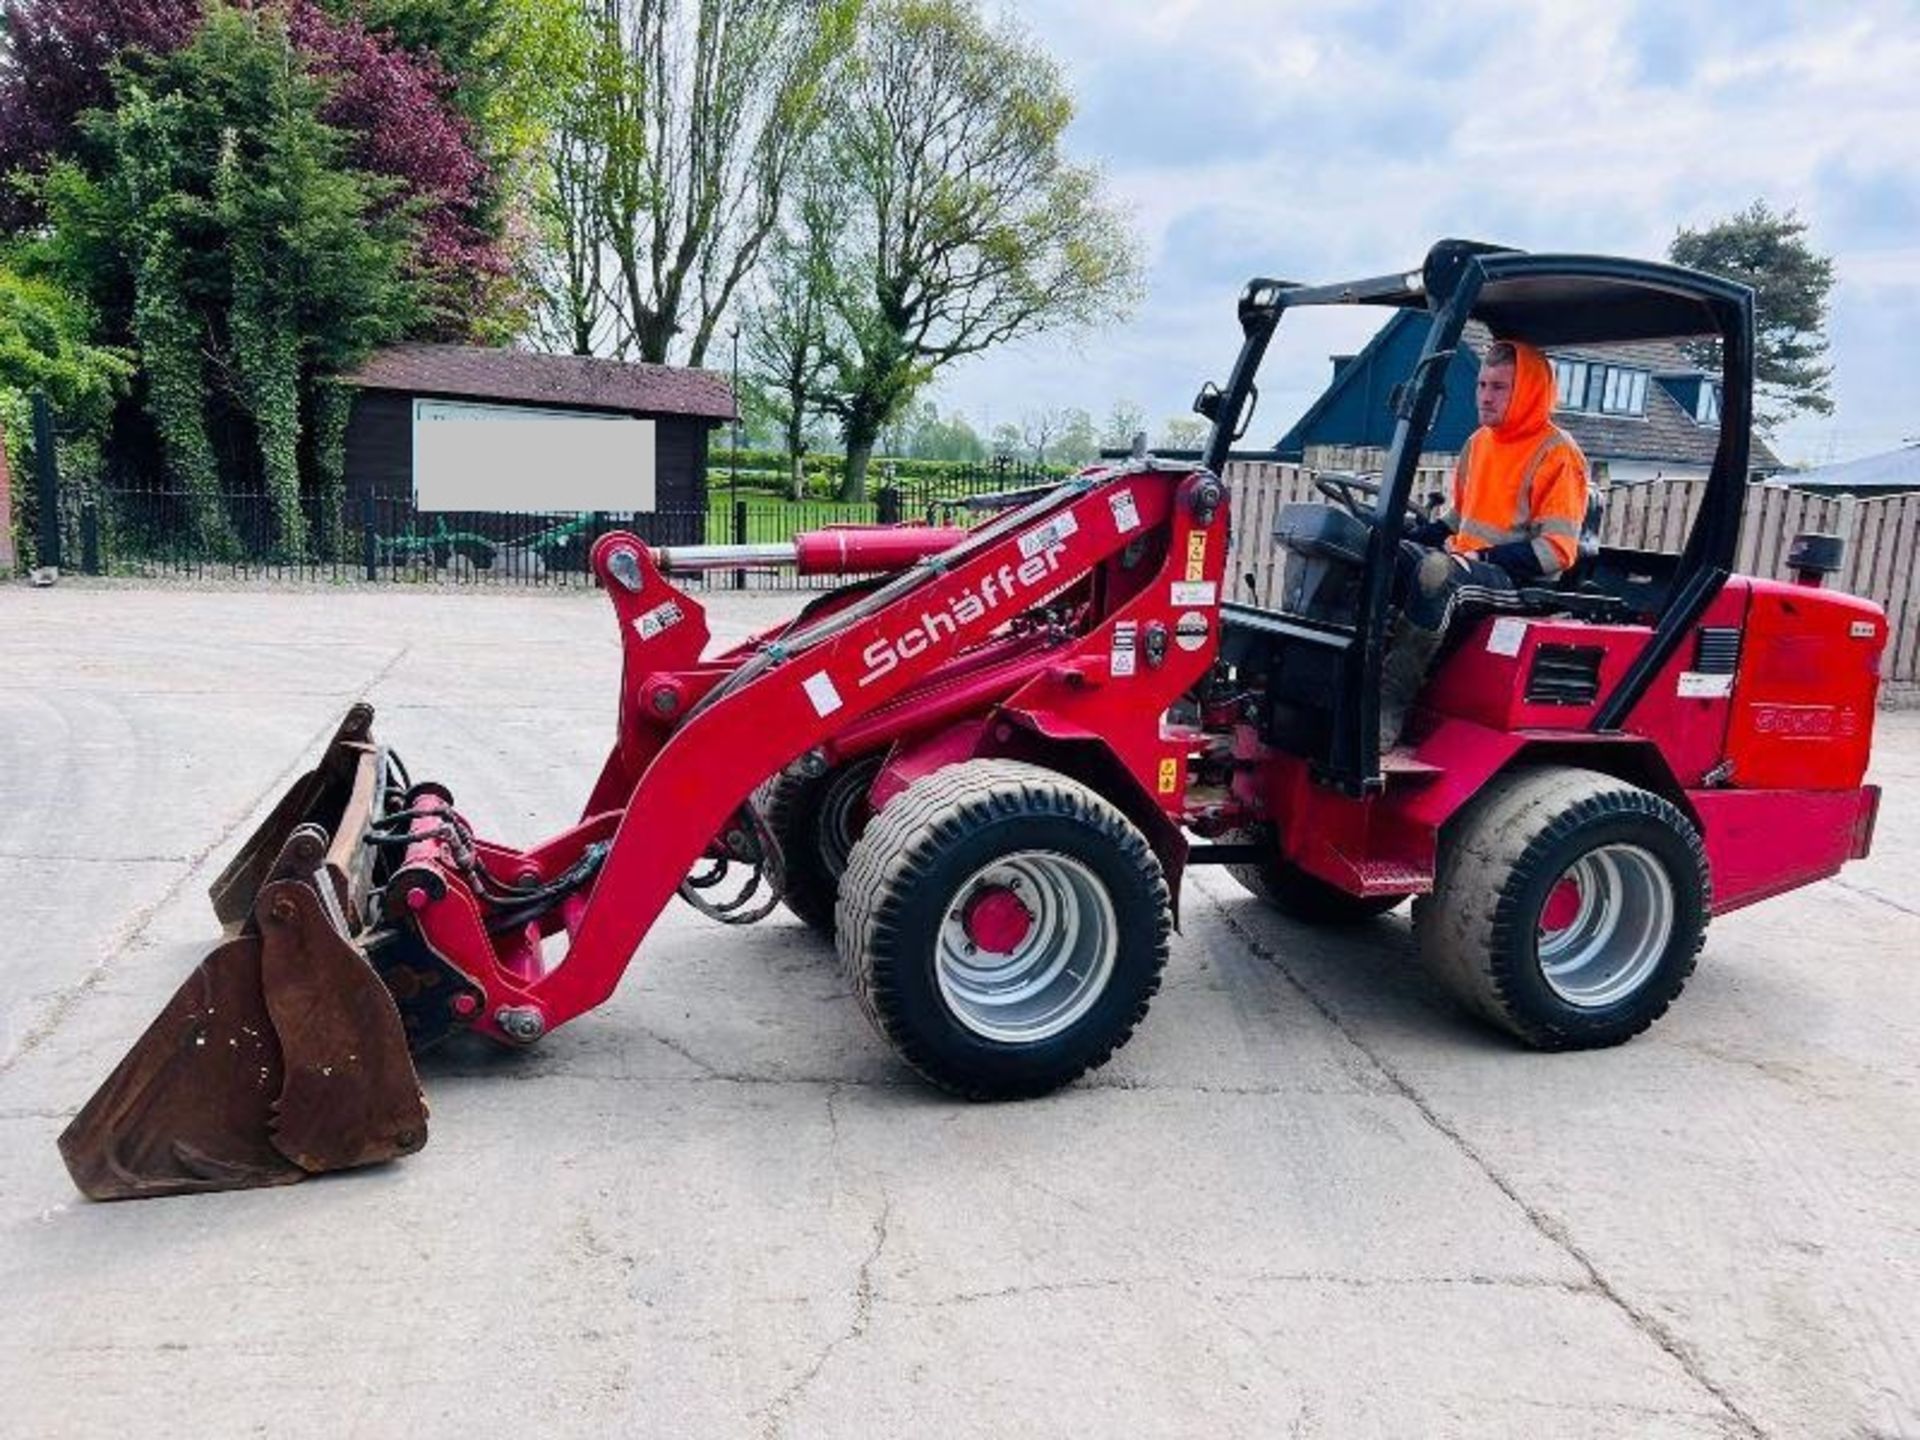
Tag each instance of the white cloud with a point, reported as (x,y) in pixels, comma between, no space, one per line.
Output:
(1333,140)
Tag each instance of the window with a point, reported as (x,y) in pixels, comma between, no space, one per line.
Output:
(1623,391)
(1570,384)
(1708,411)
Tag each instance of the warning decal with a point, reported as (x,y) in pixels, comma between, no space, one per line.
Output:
(820,691)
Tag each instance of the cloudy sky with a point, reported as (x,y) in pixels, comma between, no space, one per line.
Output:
(1320,141)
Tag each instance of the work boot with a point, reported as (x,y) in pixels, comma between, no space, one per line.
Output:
(1410,649)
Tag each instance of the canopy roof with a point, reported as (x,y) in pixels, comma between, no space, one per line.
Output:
(1542,299)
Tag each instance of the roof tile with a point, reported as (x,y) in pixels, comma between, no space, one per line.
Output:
(481,373)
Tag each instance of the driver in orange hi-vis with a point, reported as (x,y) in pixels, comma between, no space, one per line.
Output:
(1519,499)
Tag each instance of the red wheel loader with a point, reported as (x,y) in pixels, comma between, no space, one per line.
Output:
(985,767)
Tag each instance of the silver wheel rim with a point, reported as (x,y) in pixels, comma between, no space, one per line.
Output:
(1621,926)
(1057,971)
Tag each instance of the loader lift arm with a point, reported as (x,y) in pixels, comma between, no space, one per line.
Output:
(428,927)
(802,692)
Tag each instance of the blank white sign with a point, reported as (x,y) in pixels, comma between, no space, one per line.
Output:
(499,457)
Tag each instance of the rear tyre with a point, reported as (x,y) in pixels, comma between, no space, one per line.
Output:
(1298,895)
(1569,908)
(816,819)
(1004,927)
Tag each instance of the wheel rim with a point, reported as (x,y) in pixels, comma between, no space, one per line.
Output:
(1057,963)
(1604,926)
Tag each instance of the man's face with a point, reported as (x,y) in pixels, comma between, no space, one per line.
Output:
(1494,393)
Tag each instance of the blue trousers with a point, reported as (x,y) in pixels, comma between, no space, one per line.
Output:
(1430,585)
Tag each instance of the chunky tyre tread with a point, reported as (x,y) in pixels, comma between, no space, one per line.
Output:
(1468,924)
(894,854)
(783,803)
(791,805)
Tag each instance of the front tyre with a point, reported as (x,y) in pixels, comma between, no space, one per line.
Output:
(1004,927)
(816,819)
(1569,907)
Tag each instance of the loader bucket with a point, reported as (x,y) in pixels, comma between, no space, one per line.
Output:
(283,1055)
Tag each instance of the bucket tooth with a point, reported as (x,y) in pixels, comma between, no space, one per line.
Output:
(282,1055)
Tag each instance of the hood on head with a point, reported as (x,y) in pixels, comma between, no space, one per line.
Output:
(1531,408)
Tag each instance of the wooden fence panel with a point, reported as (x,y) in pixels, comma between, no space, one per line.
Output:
(1901,597)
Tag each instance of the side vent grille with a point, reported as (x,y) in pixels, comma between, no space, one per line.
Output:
(1564,675)
(1716,649)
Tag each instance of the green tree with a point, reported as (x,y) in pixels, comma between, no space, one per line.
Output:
(1077,443)
(1124,421)
(959,225)
(1791,283)
(44,346)
(1184,432)
(949,437)
(690,120)
(213,218)
(786,343)
(583,131)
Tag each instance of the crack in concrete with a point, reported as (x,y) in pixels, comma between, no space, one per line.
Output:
(1548,1226)
(65,1001)
(1606,1407)
(704,1066)
(1129,1083)
(777,1410)
(1219,1285)
(627,1077)
(1866,893)
(711,1074)
(44,857)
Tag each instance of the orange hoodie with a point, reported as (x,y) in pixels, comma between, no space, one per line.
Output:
(1523,480)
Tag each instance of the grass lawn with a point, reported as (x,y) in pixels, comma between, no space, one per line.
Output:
(772,517)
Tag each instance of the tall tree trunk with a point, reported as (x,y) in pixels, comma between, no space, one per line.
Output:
(862,432)
(652,333)
(797,455)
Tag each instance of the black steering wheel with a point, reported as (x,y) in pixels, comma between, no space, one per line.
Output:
(1356,494)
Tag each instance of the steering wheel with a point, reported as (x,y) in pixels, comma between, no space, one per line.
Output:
(1356,494)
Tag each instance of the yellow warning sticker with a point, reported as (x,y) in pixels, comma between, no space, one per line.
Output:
(1196,556)
(1169,776)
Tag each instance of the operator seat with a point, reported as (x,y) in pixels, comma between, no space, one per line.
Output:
(1573,592)
(1324,549)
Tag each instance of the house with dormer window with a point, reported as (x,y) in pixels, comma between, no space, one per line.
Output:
(1640,411)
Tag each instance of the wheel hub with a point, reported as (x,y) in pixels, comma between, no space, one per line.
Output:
(1562,907)
(996,920)
(1027,947)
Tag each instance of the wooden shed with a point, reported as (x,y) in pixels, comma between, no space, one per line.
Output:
(426,431)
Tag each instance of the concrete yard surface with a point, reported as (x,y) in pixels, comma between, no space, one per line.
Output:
(1310,1198)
